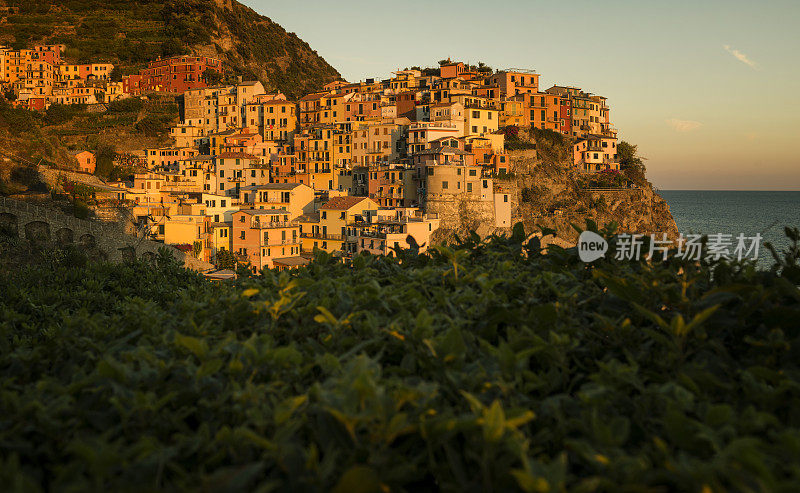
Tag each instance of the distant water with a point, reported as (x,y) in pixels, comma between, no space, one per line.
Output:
(709,212)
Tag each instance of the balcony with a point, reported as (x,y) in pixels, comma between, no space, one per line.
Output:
(321,236)
(273,225)
(282,242)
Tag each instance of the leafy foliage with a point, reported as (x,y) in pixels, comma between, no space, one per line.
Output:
(631,164)
(481,366)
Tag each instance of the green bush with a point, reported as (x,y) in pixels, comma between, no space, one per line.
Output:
(478,367)
(127,105)
(153,125)
(58,114)
(18,120)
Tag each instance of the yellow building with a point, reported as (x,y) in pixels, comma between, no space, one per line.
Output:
(480,120)
(296,198)
(330,232)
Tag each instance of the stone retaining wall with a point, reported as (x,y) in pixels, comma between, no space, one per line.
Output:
(39,224)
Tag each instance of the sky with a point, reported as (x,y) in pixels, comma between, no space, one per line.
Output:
(709,91)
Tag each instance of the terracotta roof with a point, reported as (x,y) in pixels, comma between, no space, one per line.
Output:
(310,217)
(312,97)
(291,261)
(342,203)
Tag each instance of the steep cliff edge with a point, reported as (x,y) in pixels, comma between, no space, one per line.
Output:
(557,196)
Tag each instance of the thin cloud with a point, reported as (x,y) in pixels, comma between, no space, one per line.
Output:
(683,125)
(740,56)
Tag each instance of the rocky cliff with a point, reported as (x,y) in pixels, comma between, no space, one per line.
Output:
(555,195)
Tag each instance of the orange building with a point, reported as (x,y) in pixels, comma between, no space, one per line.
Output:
(87,162)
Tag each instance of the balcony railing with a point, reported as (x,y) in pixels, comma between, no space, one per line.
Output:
(321,236)
(273,224)
(281,242)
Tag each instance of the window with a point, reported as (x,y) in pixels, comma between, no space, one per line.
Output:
(444,185)
(241,235)
(505,198)
(469,187)
(476,114)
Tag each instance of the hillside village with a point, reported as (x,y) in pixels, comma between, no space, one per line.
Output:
(254,178)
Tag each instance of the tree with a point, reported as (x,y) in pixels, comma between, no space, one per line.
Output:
(631,164)
(105,161)
(212,77)
(226,260)
(116,74)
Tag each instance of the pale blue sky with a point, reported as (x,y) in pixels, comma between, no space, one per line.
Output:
(709,90)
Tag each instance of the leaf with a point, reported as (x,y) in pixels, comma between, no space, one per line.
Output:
(494,422)
(530,483)
(701,317)
(474,404)
(286,408)
(247,293)
(197,346)
(520,420)
(326,317)
(209,367)
(358,479)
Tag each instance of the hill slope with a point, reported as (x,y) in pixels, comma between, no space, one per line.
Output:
(131,33)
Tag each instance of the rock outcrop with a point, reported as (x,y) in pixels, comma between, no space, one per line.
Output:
(557,196)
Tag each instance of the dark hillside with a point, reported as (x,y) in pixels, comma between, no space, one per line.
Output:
(131,33)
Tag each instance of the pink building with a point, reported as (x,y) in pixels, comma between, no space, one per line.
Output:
(260,236)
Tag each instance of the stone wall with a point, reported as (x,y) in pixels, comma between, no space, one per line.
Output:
(462,214)
(39,224)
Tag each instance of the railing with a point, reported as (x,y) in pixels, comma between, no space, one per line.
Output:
(288,241)
(321,236)
(275,224)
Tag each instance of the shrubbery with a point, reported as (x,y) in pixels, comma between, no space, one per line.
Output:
(482,366)
(127,105)
(153,125)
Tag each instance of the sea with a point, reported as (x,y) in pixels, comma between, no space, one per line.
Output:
(734,212)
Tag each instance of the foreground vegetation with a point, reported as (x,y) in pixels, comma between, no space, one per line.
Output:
(480,367)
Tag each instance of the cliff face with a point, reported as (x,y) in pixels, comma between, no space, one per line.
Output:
(129,33)
(557,196)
